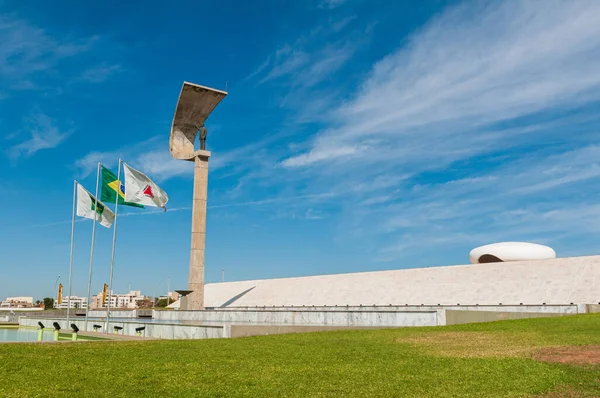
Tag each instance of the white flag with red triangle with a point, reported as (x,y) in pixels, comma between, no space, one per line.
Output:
(140,189)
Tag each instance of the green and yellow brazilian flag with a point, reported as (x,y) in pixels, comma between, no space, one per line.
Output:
(110,184)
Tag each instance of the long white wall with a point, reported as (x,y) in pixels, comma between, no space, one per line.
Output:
(555,281)
(315,318)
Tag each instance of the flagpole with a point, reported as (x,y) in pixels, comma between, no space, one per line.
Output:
(112,255)
(87,308)
(71,253)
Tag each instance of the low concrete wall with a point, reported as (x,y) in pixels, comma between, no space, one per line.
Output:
(153,330)
(113,313)
(309,318)
(391,316)
(461,317)
(593,308)
(551,308)
(40,312)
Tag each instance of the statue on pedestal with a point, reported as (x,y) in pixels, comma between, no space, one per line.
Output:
(203,133)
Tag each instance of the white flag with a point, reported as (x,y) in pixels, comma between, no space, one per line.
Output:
(140,189)
(86,207)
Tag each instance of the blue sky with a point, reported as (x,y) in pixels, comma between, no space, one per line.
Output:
(356,136)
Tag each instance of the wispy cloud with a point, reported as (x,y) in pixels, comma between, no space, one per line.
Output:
(162,165)
(152,156)
(146,212)
(331,4)
(316,156)
(339,25)
(259,69)
(99,73)
(43,134)
(25,48)
(286,61)
(34,58)
(269,201)
(470,67)
(24,85)
(551,200)
(89,163)
(306,61)
(463,135)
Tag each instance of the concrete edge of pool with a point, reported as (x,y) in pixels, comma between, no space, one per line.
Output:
(64,336)
(180,331)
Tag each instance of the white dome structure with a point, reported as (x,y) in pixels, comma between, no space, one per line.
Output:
(510,251)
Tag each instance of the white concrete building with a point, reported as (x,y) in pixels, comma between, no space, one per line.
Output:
(75,301)
(119,300)
(17,302)
(510,251)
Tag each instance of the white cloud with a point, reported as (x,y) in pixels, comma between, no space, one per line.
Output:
(24,85)
(327,61)
(287,60)
(307,61)
(470,67)
(44,134)
(89,163)
(549,200)
(328,153)
(445,104)
(259,69)
(151,156)
(33,58)
(99,73)
(475,113)
(339,25)
(161,165)
(25,49)
(331,4)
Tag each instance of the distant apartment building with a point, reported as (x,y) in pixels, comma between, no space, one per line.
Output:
(75,301)
(17,302)
(118,300)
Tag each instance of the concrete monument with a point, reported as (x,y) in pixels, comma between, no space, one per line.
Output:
(194,106)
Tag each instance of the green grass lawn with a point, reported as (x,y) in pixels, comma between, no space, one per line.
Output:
(479,360)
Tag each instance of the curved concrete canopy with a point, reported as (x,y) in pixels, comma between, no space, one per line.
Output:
(193,107)
(510,251)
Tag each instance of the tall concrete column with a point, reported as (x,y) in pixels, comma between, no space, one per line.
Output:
(194,106)
(195,301)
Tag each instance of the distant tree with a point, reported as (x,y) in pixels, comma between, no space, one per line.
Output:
(48,303)
(163,302)
(145,303)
